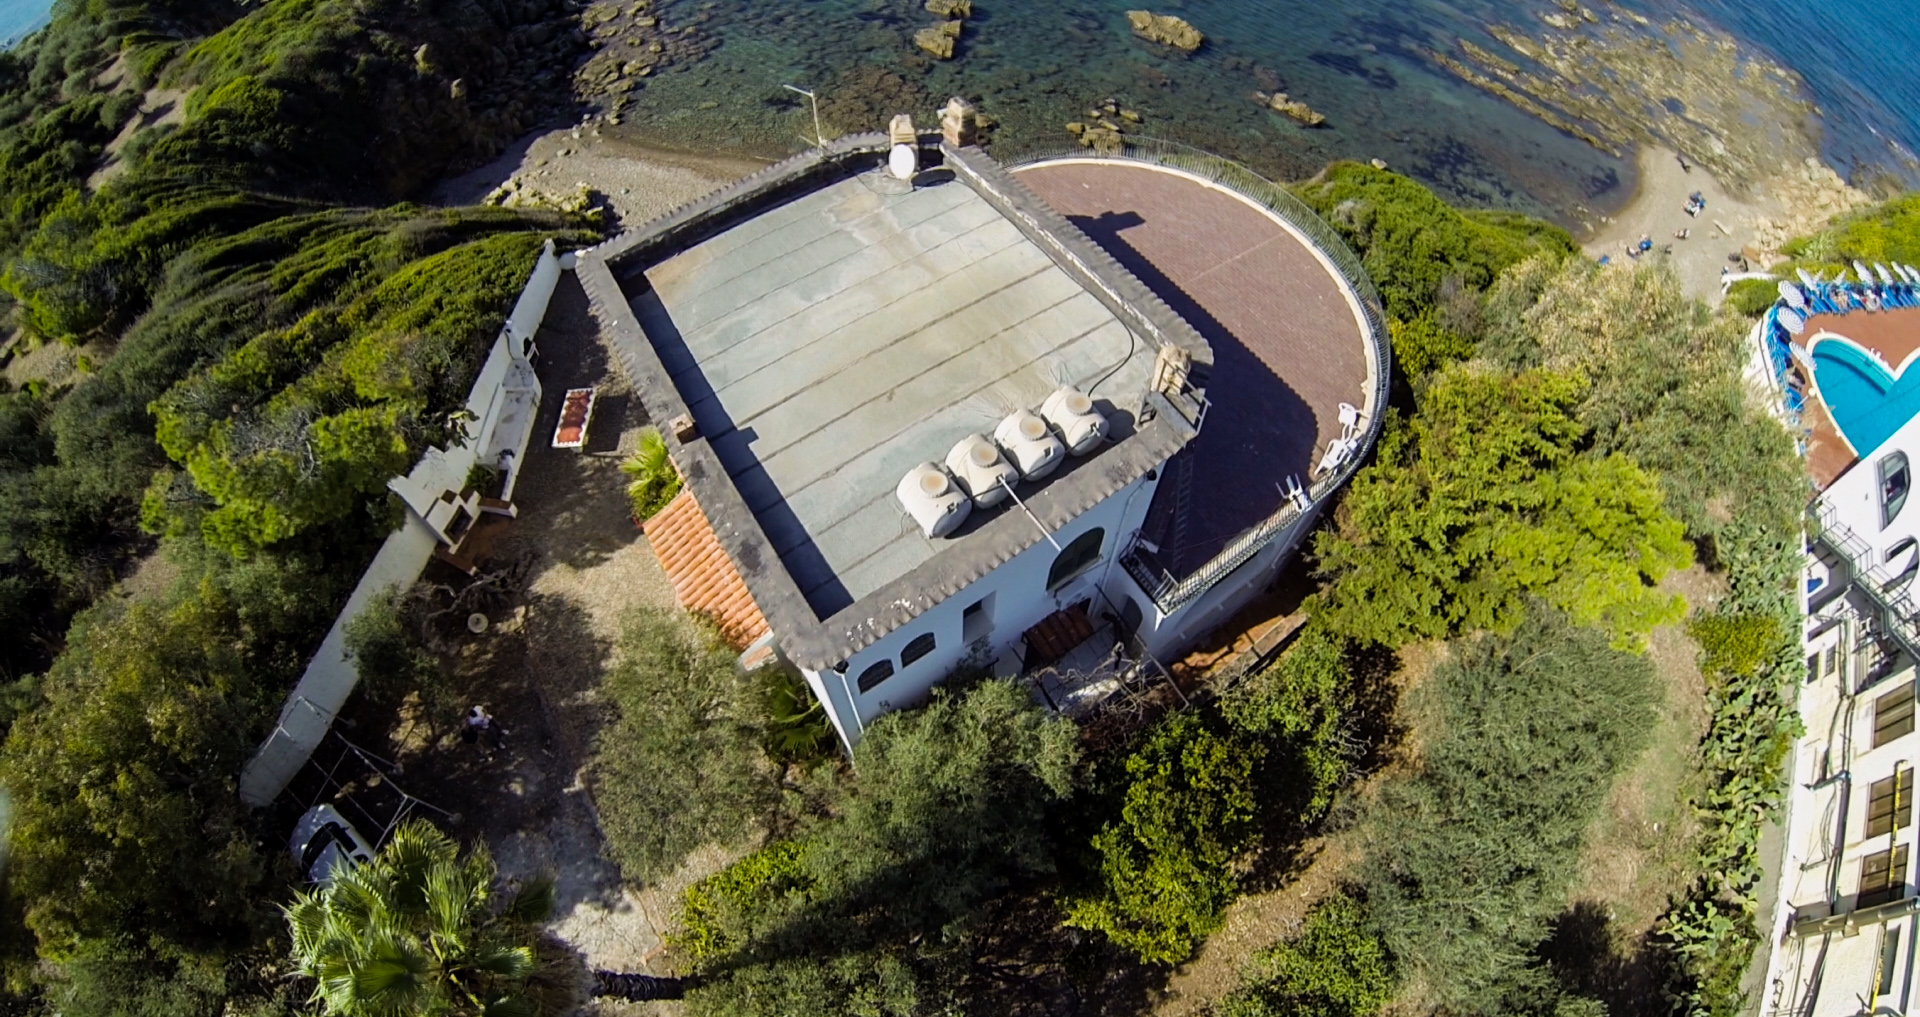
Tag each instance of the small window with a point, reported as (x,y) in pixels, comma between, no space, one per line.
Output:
(1883,877)
(1893,715)
(1833,660)
(920,646)
(1895,481)
(1077,557)
(976,622)
(1890,803)
(875,675)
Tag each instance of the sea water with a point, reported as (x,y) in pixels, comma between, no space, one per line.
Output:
(19,17)
(1036,65)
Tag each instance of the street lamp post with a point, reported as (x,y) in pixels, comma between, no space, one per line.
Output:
(818,138)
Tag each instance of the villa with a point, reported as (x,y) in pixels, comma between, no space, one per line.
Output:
(1842,938)
(1055,419)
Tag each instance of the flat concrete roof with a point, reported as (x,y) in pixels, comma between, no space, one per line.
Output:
(827,345)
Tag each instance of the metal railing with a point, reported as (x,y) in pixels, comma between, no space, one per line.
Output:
(1168,593)
(1894,604)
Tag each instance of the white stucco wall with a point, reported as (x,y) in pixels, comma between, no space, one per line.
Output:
(1020,600)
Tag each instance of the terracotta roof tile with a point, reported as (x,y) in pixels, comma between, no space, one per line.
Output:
(704,578)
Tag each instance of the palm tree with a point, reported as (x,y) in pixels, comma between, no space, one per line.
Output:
(655,481)
(417,933)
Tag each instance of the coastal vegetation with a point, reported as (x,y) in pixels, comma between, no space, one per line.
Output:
(269,337)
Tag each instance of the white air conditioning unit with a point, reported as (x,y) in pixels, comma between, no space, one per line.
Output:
(981,471)
(1026,440)
(933,500)
(1072,413)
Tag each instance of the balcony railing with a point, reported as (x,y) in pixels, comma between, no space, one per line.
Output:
(1888,594)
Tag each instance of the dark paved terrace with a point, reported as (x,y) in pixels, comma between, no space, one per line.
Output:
(1289,345)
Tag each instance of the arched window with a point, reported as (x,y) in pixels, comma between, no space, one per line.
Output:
(1895,481)
(875,675)
(919,647)
(1076,557)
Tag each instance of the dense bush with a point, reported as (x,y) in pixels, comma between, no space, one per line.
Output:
(1300,707)
(874,911)
(1335,967)
(1886,232)
(1484,499)
(1469,859)
(1187,813)
(680,764)
(1412,243)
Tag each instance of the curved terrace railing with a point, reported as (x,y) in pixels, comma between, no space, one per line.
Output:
(1168,593)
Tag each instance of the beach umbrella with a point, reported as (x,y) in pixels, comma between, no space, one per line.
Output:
(1791,294)
(1886,278)
(1860,269)
(1810,281)
(1791,320)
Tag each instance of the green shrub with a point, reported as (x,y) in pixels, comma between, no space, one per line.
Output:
(1335,967)
(1752,297)
(1735,645)
(1482,500)
(680,764)
(797,728)
(1164,875)
(1421,345)
(1470,860)
(1412,243)
(713,909)
(655,481)
(1299,705)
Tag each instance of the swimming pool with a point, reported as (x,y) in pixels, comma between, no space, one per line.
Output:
(1866,403)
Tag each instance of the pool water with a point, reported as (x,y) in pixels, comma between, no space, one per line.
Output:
(1866,403)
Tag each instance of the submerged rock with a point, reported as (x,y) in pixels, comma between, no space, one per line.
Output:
(1281,102)
(951,8)
(1166,30)
(935,42)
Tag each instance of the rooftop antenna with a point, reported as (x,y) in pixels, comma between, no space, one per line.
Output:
(819,139)
(1030,515)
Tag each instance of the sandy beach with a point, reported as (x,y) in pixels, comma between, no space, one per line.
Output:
(640,182)
(1657,211)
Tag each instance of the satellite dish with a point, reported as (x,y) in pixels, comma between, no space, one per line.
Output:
(1791,320)
(476,623)
(903,161)
(1791,294)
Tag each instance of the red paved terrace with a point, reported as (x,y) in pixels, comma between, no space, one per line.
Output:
(1289,346)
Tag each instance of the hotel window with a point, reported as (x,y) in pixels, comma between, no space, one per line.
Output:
(919,647)
(1883,877)
(1895,481)
(1078,556)
(875,675)
(1893,715)
(1890,803)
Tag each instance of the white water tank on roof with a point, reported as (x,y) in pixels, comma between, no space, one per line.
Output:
(1025,439)
(933,500)
(1072,414)
(980,469)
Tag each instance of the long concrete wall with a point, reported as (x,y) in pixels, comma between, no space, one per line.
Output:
(331,676)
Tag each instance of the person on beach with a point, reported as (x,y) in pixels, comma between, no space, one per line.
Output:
(1646,242)
(1682,234)
(1685,167)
